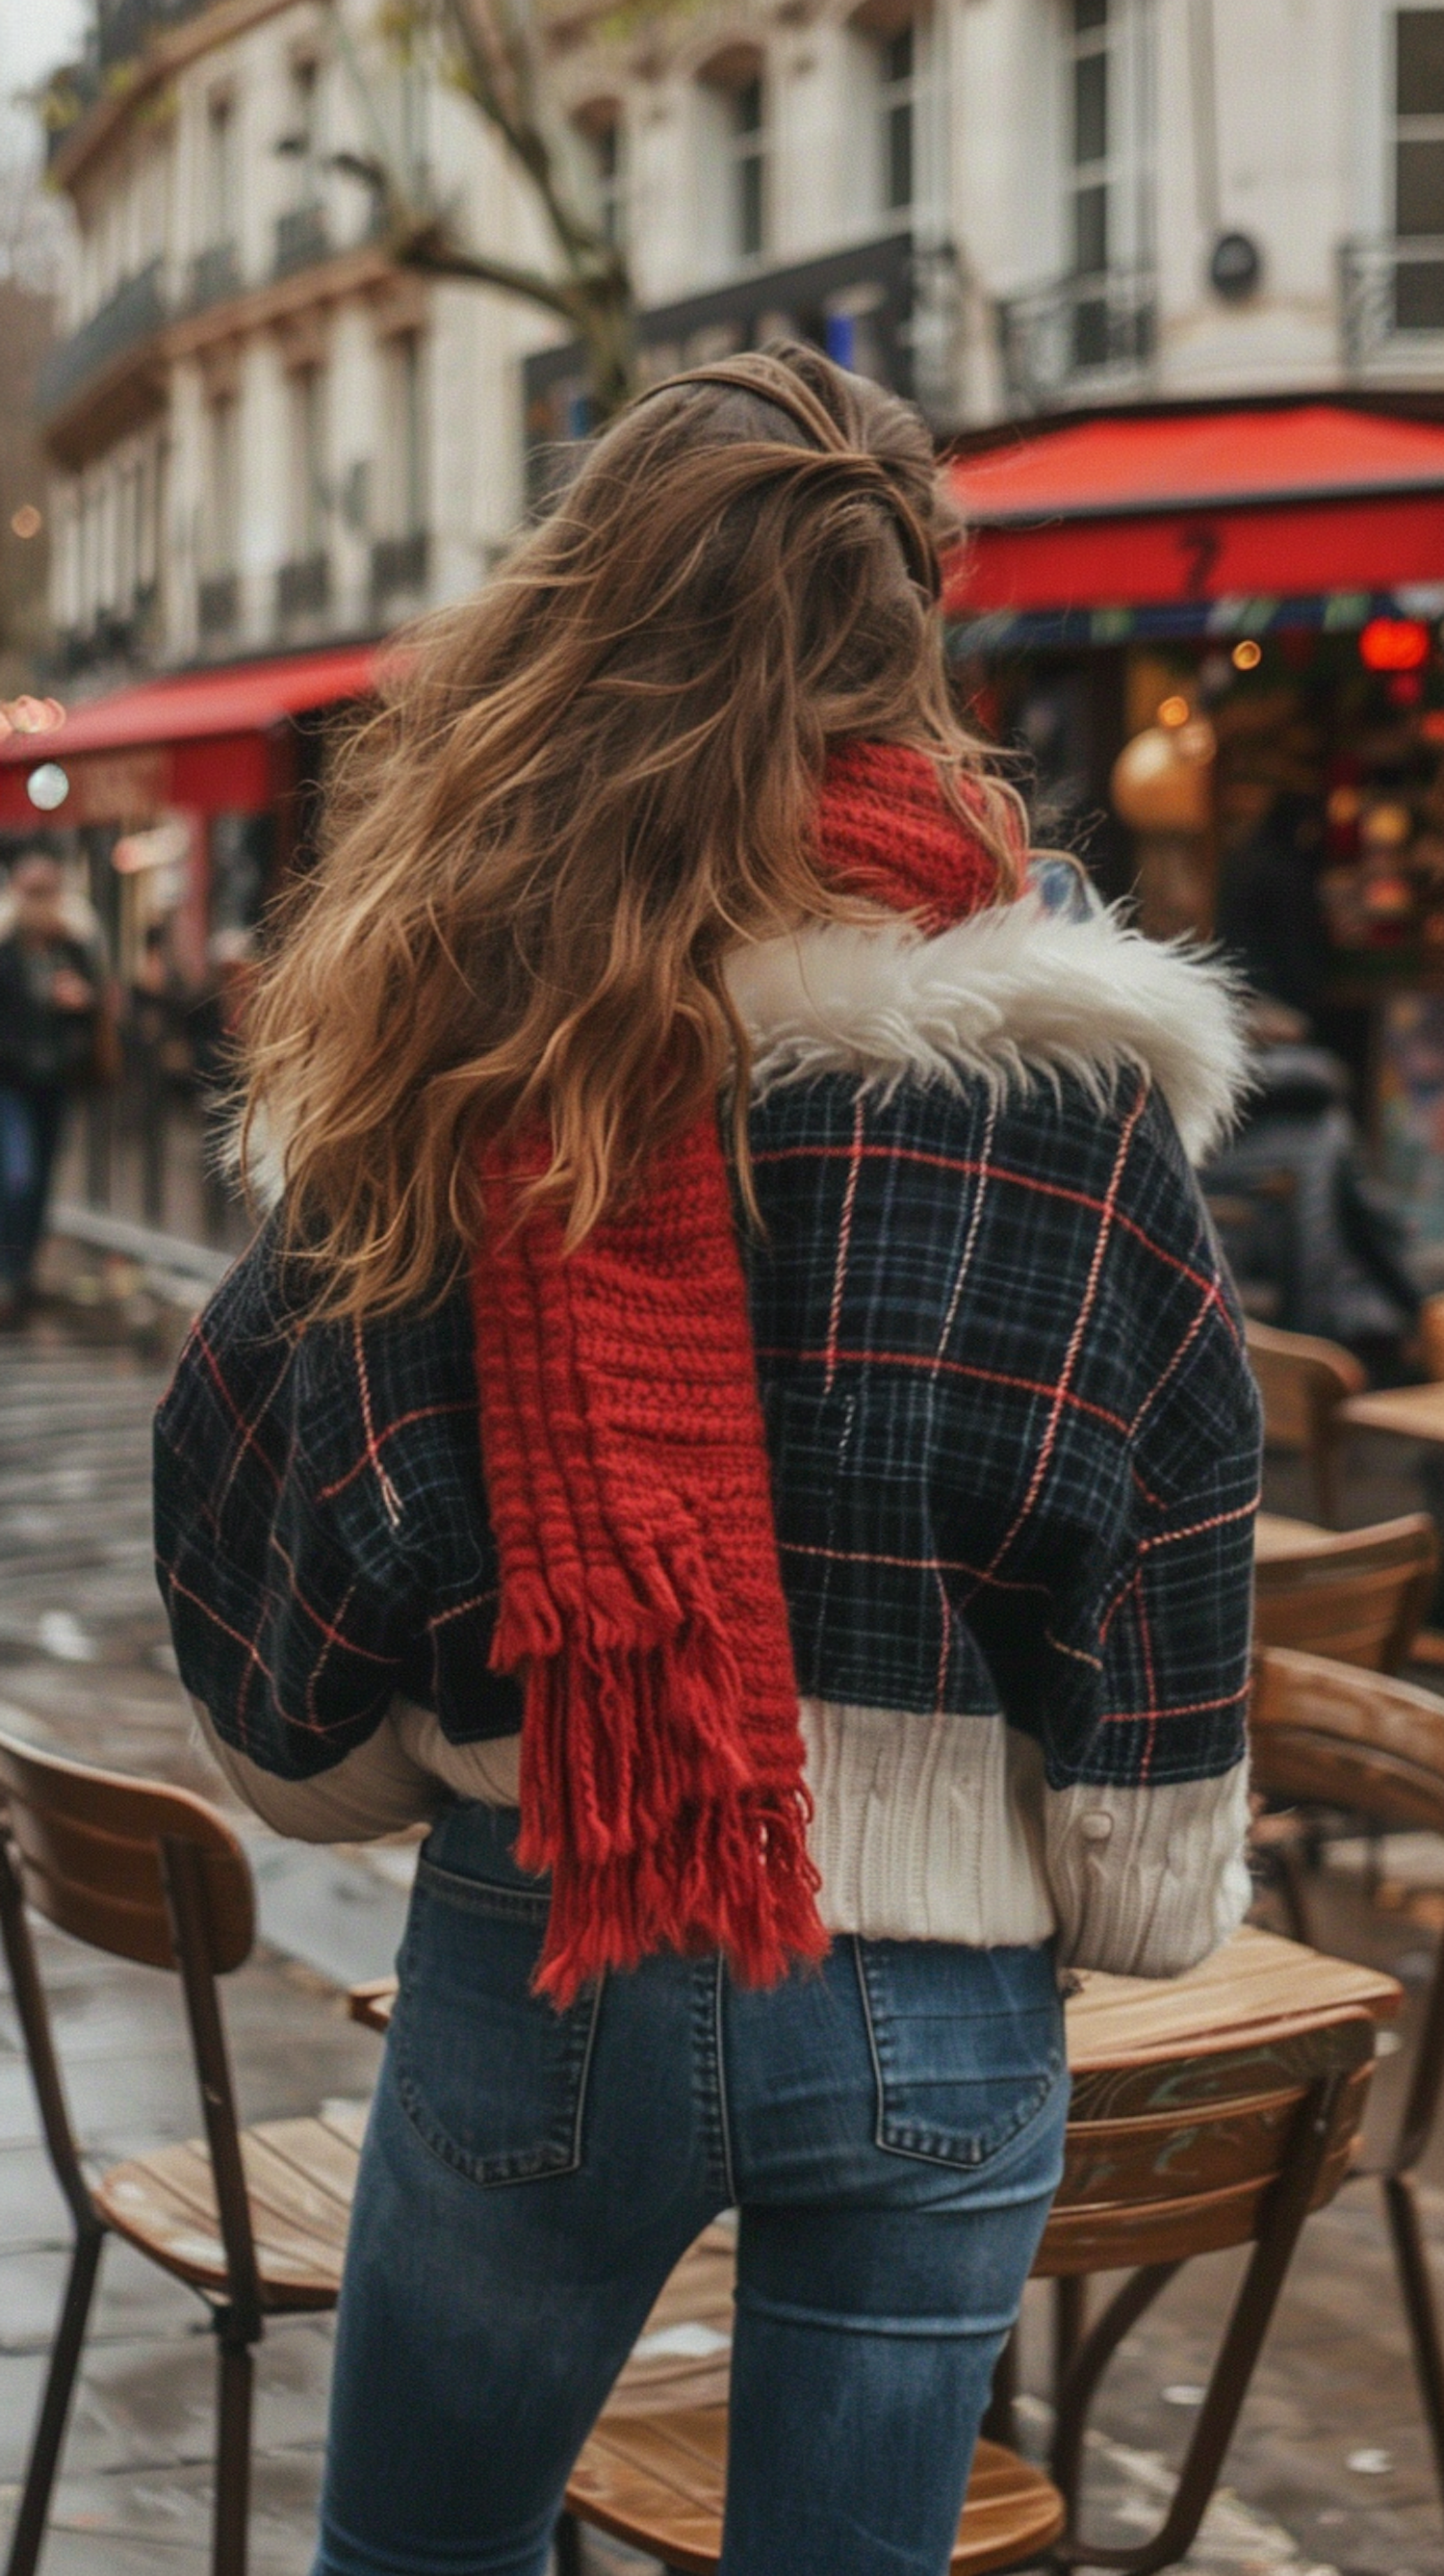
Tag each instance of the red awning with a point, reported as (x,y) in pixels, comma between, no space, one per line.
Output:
(1203,506)
(198,740)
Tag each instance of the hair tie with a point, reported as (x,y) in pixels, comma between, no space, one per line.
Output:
(753,372)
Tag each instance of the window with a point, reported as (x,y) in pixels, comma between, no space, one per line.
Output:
(1091,118)
(1418,167)
(749,169)
(307,464)
(1108,115)
(603,143)
(223,493)
(897,62)
(301,142)
(406,436)
(220,178)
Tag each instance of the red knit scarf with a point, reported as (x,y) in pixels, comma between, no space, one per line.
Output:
(641,1602)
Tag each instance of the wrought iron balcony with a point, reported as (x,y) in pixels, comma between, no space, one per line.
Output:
(1391,299)
(1077,336)
(122,27)
(215,274)
(301,237)
(399,567)
(217,605)
(303,587)
(133,314)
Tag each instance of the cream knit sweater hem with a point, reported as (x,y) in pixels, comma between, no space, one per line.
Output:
(924,1829)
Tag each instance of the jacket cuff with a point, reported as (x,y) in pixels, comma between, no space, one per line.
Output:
(1148,1882)
(374,1790)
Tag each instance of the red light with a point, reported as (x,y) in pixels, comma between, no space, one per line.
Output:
(1431,725)
(1394,644)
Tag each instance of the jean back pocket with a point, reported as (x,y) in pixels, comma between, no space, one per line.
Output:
(491,2075)
(966,2044)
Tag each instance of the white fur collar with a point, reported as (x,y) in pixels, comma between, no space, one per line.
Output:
(1009,996)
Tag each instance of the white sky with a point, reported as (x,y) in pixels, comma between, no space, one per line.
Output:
(35,35)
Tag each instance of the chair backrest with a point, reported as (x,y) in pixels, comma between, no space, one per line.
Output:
(1185,2100)
(1299,1375)
(1303,1381)
(89,1845)
(1431,1336)
(1327,1734)
(1359,1596)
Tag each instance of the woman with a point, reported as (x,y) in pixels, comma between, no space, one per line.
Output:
(50,1008)
(835,1721)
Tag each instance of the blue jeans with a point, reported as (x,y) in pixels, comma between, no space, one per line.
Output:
(30,1121)
(890,2127)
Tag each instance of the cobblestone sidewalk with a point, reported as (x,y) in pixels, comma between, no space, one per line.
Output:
(1329,2470)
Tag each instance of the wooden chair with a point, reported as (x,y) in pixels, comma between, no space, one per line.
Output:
(1359,1596)
(254,2220)
(1213,2111)
(1431,1337)
(1303,1382)
(1329,1734)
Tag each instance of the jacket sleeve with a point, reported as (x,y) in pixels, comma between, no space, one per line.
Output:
(292,1620)
(1146,1807)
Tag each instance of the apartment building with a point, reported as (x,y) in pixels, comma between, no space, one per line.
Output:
(261,432)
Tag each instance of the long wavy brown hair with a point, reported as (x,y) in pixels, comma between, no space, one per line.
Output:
(579,792)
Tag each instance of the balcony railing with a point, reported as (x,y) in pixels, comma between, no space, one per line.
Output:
(132,314)
(1391,299)
(215,274)
(217,605)
(399,567)
(303,587)
(301,237)
(1077,336)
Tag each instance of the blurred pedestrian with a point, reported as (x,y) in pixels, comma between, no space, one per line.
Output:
(778,1752)
(52,1024)
(1270,917)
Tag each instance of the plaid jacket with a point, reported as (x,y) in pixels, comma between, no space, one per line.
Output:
(1014,1439)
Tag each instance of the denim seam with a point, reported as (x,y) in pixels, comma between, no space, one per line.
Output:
(723,2115)
(585,2076)
(877,2136)
(484,1895)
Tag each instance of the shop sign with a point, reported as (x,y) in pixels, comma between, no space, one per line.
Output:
(1329,612)
(120,786)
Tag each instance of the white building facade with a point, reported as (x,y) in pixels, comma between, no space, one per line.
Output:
(263,434)
(1105,200)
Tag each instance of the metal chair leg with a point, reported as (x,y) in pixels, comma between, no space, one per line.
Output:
(999,2423)
(50,2426)
(1070,2324)
(1417,2288)
(567,2546)
(1253,2309)
(231,2521)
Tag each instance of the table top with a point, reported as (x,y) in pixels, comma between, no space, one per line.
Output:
(1276,1538)
(1251,1990)
(1414,1412)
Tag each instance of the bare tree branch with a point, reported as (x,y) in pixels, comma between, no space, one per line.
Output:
(495,53)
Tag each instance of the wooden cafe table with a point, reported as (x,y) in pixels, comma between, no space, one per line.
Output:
(1412,1412)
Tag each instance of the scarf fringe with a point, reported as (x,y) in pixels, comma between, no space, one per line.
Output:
(664,1823)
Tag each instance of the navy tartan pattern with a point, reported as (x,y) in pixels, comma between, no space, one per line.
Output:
(1013,1434)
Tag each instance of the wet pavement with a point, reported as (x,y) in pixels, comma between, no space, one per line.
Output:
(1329,2469)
